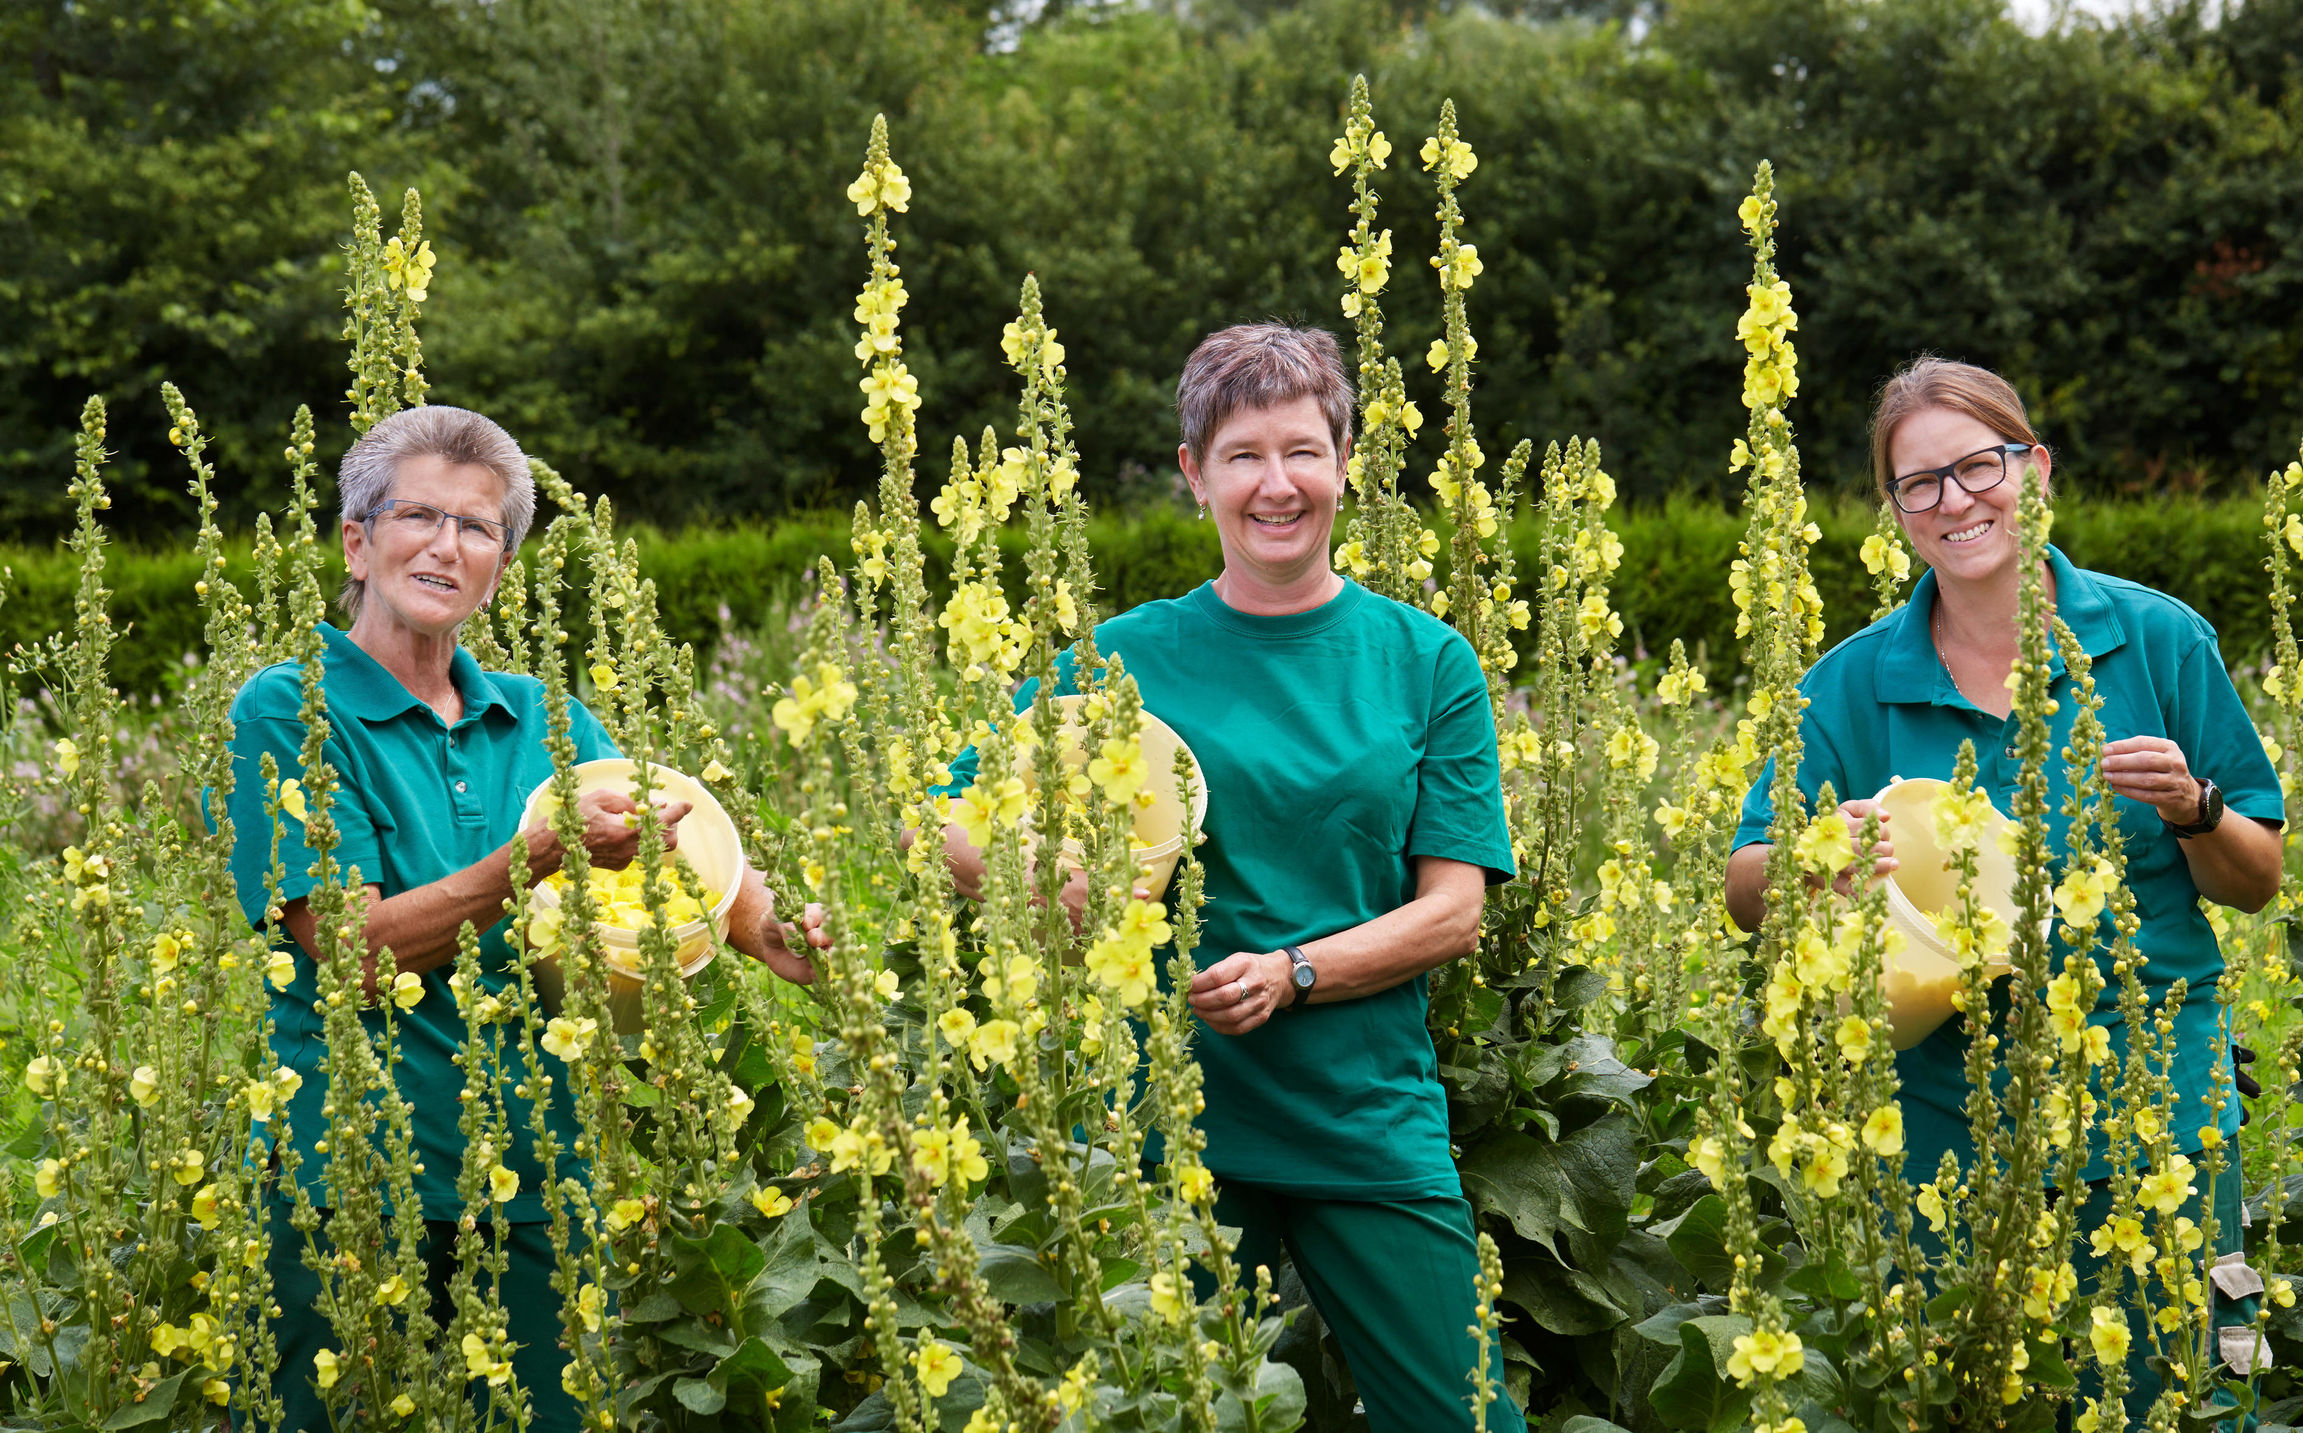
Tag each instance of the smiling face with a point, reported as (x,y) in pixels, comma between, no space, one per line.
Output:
(1968,537)
(1272,477)
(428,583)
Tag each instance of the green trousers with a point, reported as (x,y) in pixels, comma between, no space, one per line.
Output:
(1395,1281)
(529,1300)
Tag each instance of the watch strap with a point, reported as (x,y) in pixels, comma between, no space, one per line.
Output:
(2210,813)
(1300,973)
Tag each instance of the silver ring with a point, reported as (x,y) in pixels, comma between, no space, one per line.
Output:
(1241,987)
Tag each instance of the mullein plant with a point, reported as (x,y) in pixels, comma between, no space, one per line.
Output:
(1004,1073)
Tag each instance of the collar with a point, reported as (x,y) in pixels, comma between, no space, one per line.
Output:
(1910,673)
(360,686)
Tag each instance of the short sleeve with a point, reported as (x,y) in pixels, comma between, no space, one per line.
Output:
(1459,812)
(254,736)
(591,739)
(1818,763)
(2219,740)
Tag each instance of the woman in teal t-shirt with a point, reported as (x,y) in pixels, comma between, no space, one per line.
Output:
(2198,801)
(1355,819)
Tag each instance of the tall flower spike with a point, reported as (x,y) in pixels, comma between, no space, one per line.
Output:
(1380,547)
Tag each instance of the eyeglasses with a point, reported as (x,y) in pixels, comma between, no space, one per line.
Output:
(420,522)
(1976,473)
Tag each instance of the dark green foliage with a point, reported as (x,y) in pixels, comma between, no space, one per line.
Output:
(1672,583)
(647,265)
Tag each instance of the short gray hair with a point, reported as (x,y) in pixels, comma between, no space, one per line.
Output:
(434,430)
(1262,365)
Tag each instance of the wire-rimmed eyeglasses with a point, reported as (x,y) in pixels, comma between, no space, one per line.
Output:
(1978,472)
(420,522)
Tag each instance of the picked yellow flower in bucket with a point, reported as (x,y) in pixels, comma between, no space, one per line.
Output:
(708,843)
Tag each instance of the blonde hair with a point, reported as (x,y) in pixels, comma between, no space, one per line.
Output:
(1931,382)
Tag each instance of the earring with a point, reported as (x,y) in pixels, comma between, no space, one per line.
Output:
(1203,510)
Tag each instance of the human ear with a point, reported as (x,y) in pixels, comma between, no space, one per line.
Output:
(356,550)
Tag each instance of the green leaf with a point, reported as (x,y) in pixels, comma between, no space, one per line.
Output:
(713,1272)
(156,1405)
(1694,1392)
(1516,1177)
(1577,987)
(1585,1423)
(1699,1242)
(1015,1275)
(1827,1278)
(697,1395)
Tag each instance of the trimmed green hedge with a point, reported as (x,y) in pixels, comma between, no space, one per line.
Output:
(1672,583)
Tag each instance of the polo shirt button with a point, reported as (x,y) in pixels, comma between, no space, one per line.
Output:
(459,786)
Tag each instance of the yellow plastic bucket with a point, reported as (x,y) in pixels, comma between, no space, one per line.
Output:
(708,840)
(1162,827)
(1924,975)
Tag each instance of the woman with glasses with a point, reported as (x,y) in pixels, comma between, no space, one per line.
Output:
(434,759)
(2199,804)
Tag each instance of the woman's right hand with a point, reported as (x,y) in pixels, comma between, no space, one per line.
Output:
(612,831)
(1882,850)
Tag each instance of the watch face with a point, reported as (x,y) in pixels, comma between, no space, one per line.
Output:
(1304,975)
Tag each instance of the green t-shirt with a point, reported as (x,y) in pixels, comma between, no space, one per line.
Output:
(1882,706)
(1337,744)
(418,801)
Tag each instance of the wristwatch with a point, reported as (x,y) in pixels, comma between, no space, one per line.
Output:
(2210,812)
(1300,974)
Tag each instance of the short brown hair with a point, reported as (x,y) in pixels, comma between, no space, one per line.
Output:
(1931,382)
(1261,365)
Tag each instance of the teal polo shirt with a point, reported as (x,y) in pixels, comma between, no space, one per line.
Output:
(1882,706)
(1338,745)
(418,800)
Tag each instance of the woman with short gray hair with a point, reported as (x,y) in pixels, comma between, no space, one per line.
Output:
(435,759)
(1354,821)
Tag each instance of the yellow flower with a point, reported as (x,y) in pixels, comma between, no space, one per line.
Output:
(325,1369)
(2164,1189)
(937,1366)
(1930,1204)
(1710,1157)
(771,1202)
(48,1178)
(994,1043)
(503,1184)
(407,990)
(68,756)
(1120,770)
(569,1036)
(409,269)
(44,1074)
(1825,848)
(624,1214)
(280,969)
(2109,1335)
(260,1095)
(480,1361)
(590,1304)
(716,773)
(218,1392)
(820,1134)
(393,1291)
(188,1166)
(1854,1039)
(1196,1184)
(144,1085)
(1765,1352)
(1166,1299)
(888,984)
(1883,1132)
(292,799)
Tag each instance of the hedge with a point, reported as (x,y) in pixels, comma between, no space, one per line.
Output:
(1672,582)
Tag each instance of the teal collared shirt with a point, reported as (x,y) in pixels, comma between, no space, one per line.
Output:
(419,800)
(1882,706)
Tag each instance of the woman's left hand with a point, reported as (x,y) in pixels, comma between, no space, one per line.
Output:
(2154,771)
(1240,992)
(782,946)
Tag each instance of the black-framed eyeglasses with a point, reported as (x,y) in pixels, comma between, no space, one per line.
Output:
(1976,473)
(420,522)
